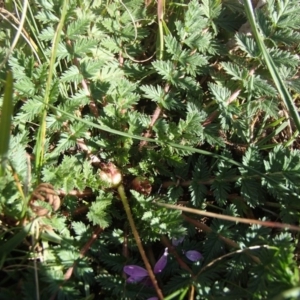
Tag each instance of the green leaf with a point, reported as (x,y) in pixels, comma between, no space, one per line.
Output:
(83,47)
(221,93)
(72,75)
(283,58)
(80,228)
(248,45)
(98,212)
(173,46)
(198,188)
(157,94)
(211,8)
(77,28)
(237,73)
(165,69)
(153,93)
(47,34)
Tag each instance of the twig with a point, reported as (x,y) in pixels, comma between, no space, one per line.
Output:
(19,32)
(172,250)
(83,251)
(92,104)
(230,218)
(155,116)
(123,197)
(226,240)
(213,115)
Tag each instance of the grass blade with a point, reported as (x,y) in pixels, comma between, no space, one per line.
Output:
(39,155)
(286,97)
(5,122)
(12,243)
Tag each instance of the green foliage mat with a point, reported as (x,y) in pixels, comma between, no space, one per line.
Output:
(179,96)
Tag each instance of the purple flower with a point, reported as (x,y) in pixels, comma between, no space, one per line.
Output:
(176,242)
(192,255)
(137,273)
(153,298)
(161,263)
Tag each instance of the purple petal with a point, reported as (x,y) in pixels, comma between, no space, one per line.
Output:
(161,263)
(153,298)
(135,271)
(176,242)
(193,255)
(133,279)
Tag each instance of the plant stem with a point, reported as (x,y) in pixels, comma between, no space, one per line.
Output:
(41,138)
(83,251)
(160,17)
(226,240)
(280,85)
(122,194)
(172,250)
(230,218)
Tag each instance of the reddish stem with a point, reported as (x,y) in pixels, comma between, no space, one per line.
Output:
(226,240)
(172,250)
(83,251)
(139,244)
(213,115)
(92,104)
(155,116)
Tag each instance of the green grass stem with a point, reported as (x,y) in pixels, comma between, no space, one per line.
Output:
(286,97)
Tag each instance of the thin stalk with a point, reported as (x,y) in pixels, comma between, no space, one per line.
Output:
(5,121)
(292,139)
(17,36)
(211,180)
(157,113)
(123,197)
(286,97)
(83,251)
(171,144)
(34,238)
(160,18)
(41,138)
(14,22)
(230,218)
(272,134)
(246,250)
(173,251)
(19,187)
(226,240)
(31,21)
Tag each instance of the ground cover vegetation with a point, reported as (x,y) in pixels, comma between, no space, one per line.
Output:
(149,149)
